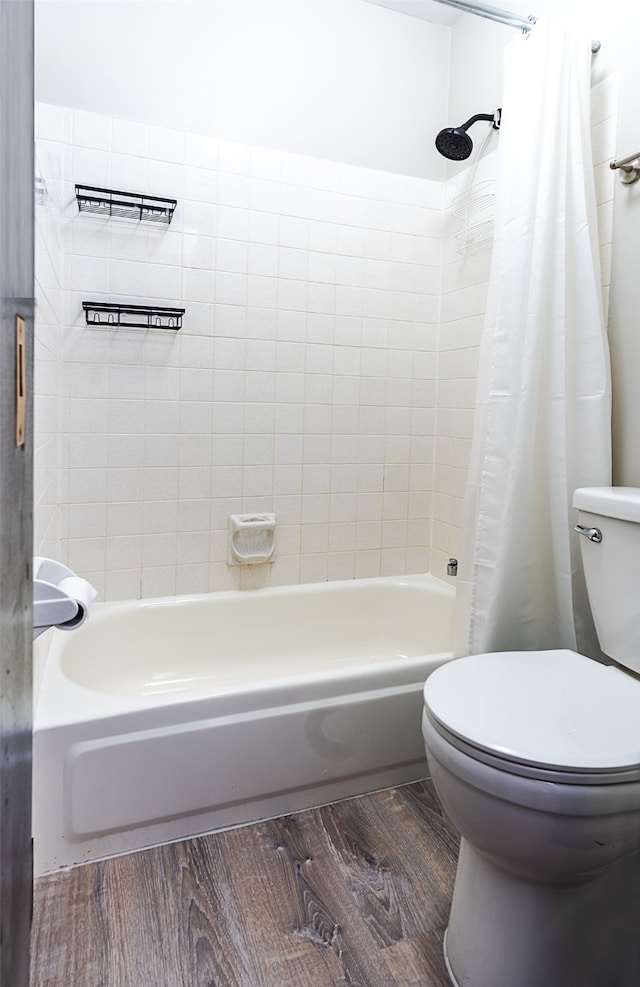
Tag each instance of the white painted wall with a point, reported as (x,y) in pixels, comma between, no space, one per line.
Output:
(478,47)
(625,296)
(337,79)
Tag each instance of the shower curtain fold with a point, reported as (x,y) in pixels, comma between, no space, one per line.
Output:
(542,425)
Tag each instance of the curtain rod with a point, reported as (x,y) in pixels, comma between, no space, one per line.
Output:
(523,24)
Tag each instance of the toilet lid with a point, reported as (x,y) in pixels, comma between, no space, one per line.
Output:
(552,709)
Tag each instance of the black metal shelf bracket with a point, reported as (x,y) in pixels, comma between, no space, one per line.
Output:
(126,205)
(108,315)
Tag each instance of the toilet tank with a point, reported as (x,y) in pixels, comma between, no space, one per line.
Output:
(612,567)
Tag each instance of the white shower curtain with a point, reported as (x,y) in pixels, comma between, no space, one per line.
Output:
(542,424)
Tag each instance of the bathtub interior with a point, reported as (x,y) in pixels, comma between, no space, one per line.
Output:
(329,710)
(203,642)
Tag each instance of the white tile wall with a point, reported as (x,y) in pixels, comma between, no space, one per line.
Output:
(326,369)
(49,446)
(49,430)
(302,382)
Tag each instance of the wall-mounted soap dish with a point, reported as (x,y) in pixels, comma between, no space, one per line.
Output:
(252,538)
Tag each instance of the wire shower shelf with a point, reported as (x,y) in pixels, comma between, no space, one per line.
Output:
(475,208)
(126,205)
(109,315)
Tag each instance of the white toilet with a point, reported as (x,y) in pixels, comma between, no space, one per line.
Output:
(536,758)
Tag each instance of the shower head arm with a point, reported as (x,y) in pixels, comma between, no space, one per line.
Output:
(493,118)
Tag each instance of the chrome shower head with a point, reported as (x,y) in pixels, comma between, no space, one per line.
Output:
(454,142)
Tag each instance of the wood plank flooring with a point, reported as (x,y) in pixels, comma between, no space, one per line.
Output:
(354,893)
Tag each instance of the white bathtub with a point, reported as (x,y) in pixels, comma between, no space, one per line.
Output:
(162,719)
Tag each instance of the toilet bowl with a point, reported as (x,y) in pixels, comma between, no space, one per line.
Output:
(536,759)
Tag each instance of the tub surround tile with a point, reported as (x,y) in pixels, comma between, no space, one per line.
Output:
(330,322)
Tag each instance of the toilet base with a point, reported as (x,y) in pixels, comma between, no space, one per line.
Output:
(506,930)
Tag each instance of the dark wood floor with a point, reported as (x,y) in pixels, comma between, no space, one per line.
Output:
(353,893)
